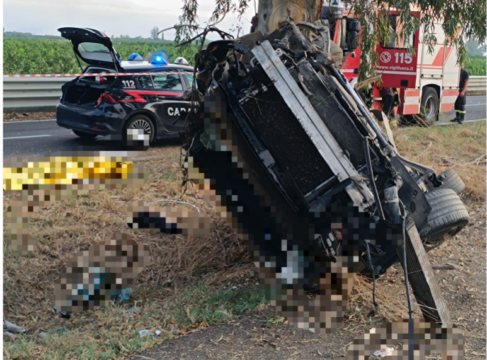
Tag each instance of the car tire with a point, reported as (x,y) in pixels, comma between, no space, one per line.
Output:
(140,122)
(430,106)
(448,216)
(452,181)
(85,135)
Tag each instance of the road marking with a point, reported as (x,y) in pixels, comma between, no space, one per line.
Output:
(25,137)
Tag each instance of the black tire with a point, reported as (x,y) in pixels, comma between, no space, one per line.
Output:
(141,122)
(452,181)
(448,216)
(85,135)
(430,106)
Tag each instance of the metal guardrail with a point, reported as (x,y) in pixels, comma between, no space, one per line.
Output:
(42,94)
(477,83)
(31,94)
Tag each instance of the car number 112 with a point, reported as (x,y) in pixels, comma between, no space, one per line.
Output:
(128,83)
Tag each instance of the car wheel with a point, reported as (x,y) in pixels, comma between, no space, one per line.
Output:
(448,216)
(452,181)
(429,107)
(141,122)
(85,135)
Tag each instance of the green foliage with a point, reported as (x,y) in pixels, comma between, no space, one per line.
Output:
(468,17)
(16,34)
(476,66)
(40,56)
(188,23)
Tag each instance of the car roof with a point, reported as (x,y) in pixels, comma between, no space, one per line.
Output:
(140,66)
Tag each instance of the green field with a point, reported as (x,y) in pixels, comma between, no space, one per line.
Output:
(48,56)
(41,56)
(476,65)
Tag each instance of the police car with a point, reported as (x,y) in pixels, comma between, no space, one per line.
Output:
(145,96)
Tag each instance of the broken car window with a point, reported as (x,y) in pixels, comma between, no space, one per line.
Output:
(164,82)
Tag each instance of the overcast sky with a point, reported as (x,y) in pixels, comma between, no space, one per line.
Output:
(127,17)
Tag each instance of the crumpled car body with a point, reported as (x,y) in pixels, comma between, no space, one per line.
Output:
(306,175)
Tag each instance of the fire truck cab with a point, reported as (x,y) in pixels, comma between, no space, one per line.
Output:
(426,82)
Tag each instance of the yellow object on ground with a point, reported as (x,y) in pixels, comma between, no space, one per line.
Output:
(66,170)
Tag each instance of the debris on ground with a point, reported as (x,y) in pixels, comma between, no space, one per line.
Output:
(12,328)
(124,295)
(144,333)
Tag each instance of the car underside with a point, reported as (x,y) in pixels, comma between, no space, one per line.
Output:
(306,172)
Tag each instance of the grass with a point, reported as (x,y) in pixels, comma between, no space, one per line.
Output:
(115,334)
(188,284)
(460,147)
(66,227)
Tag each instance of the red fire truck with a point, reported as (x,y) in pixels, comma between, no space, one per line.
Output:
(426,82)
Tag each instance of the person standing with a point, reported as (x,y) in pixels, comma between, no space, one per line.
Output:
(389,96)
(461,101)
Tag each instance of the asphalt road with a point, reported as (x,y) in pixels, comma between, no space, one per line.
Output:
(44,138)
(476,109)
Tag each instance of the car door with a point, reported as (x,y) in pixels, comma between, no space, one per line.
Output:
(164,91)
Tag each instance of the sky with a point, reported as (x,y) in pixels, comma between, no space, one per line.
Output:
(126,17)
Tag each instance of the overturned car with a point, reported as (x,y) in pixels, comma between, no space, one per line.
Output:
(308,177)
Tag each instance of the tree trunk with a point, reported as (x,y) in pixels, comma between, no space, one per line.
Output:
(272,12)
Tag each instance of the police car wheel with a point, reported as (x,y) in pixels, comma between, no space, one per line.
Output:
(85,135)
(141,122)
(429,106)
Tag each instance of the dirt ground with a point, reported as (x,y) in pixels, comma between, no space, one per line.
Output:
(31,116)
(464,288)
(68,226)
(254,337)
(251,337)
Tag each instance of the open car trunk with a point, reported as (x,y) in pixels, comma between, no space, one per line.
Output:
(93,47)
(84,92)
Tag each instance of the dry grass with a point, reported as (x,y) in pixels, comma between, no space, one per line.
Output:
(460,147)
(178,262)
(186,284)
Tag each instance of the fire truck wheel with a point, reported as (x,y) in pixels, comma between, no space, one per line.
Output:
(448,216)
(429,106)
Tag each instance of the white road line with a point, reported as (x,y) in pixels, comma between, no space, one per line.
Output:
(25,137)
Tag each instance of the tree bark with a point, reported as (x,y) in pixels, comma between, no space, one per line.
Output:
(272,12)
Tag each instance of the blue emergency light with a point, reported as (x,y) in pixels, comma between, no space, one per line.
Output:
(135,57)
(158,59)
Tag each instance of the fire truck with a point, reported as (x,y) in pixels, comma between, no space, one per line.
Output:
(426,82)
